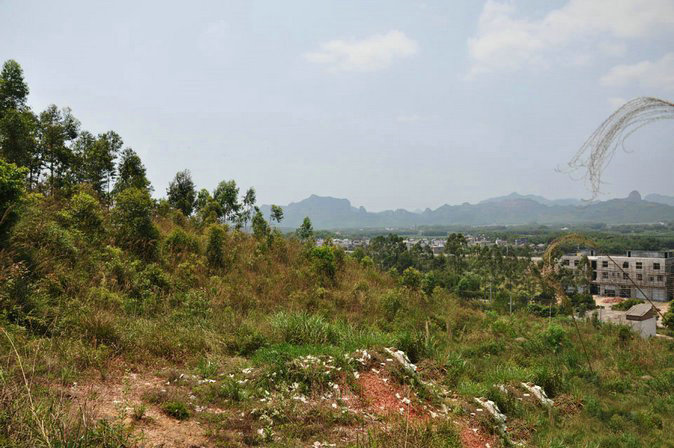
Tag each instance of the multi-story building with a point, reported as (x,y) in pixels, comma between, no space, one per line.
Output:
(633,275)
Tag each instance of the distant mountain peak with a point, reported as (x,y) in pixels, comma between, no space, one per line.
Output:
(332,213)
(634,196)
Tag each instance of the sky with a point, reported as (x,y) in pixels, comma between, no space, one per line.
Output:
(391,104)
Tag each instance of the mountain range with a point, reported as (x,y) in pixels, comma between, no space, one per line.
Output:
(333,213)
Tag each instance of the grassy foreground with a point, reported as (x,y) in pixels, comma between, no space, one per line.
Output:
(268,341)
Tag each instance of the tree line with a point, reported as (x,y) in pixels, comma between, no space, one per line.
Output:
(56,155)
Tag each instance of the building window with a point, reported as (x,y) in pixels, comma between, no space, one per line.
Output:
(625,276)
(626,264)
(656,266)
(604,275)
(640,277)
(575,262)
(565,262)
(604,264)
(659,278)
(639,265)
(625,292)
(609,292)
(651,278)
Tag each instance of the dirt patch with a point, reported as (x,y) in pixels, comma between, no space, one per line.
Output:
(386,398)
(117,398)
(472,436)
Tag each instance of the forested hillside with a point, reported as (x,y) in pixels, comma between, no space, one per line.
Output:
(192,321)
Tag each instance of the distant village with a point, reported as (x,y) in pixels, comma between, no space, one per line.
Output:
(437,244)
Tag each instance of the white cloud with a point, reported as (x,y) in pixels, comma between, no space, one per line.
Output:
(657,75)
(369,54)
(505,41)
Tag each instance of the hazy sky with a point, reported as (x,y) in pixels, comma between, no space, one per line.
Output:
(391,104)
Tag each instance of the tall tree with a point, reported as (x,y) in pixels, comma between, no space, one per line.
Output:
(13,88)
(18,136)
(18,124)
(248,207)
(96,159)
(131,173)
(276,214)
(57,130)
(306,230)
(226,194)
(260,226)
(182,193)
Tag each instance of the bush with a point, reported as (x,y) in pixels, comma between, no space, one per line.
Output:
(215,248)
(626,304)
(12,181)
(668,318)
(324,261)
(391,303)
(179,243)
(555,338)
(176,409)
(132,223)
(411,278)
(85,214)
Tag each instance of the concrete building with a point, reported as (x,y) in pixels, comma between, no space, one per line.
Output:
(616,276)
(641,318)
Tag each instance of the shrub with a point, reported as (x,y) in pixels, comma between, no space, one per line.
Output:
(626,304)
(132,223)
(215,248)
(85,214)
(179,242)
(324,261)
(554,337)
(11,190)
(411,278)
(668,318)
(391,303)
(176,409)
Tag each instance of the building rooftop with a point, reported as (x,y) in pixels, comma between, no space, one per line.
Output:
(639,310)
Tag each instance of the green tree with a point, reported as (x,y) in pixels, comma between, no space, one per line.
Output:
(260,225)
(85,214)
(248,208)
(56,131)
(96,159)
(18,142)
(306,231)
(455,249)
(215,254)
(468,286)
(207,209)
(226,195)
(182,193)
(411,278)
(668,318)
(131,173)
(276,214)
(132,223)
(13,88)
(11,190)
(389,252)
